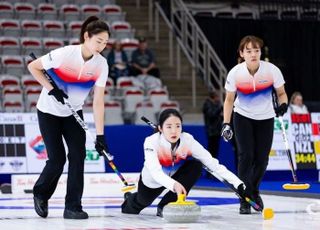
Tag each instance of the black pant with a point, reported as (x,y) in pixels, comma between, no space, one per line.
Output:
(52,129)
(254,141)
(213,145)
(154,72)
(187,175)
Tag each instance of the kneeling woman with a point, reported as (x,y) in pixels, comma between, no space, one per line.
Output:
(173,161)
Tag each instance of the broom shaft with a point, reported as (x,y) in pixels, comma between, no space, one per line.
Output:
(286,143)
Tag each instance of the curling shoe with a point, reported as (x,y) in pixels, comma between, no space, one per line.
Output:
(257,198)
(78,215)
(41,207)
(127,195)
(245,207)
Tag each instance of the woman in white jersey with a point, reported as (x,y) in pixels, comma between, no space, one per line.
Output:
(75,69)
(173,161)
(249,88)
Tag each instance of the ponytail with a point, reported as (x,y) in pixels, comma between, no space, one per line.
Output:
(93,25)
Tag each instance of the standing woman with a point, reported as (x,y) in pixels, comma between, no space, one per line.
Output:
(173,161)
(249,89)
(75,69)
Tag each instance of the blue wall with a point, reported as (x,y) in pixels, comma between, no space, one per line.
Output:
(126,144)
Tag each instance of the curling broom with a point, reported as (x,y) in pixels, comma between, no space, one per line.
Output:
(295,185)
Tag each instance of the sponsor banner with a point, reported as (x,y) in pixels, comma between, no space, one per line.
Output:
(278,159)
(20,139)
(315,119)
(22,149)
(13,165)
(302,137)
(95,184)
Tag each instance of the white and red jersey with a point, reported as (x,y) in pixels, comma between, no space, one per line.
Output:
(161,162)
(254,93)
(73,75)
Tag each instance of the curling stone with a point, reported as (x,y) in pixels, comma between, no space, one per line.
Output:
(181,211)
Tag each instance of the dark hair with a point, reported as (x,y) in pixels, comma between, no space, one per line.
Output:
(165,114)
(214,94)
(93,25)
(255,41)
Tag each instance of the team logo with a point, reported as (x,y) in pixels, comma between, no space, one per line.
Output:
(263,81)
(89,73)
(38,146)
(16,165)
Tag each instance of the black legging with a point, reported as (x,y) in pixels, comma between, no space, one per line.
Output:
(187,175)
(254,141)
(52,129)
(213,145)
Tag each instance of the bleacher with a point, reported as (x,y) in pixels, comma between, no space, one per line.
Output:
(37,26)
(260,10)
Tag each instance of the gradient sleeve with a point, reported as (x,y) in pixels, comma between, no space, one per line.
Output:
(277,77)
(103,77)
(230,84)
(54,58)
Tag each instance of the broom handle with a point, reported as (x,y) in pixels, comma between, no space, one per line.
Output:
(286,143)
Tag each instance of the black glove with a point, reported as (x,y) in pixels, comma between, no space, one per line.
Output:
(226,132)
(282,109)
(242,191)
(101,145)
(58,94)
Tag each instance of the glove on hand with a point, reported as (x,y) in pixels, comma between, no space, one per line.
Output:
(58,94)
(282,109)
(226,132)
(101,145)
(242,191)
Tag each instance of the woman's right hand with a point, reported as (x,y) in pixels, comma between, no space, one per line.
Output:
(178,188)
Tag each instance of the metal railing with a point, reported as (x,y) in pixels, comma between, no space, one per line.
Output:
(194,44)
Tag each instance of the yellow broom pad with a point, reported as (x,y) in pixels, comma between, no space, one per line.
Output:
(128,188)
(296,186)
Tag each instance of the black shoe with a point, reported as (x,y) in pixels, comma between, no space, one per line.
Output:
(126,195)
(257,198)
(69,214)
(159,212)
(245,207)
(41,207)
(6,188)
